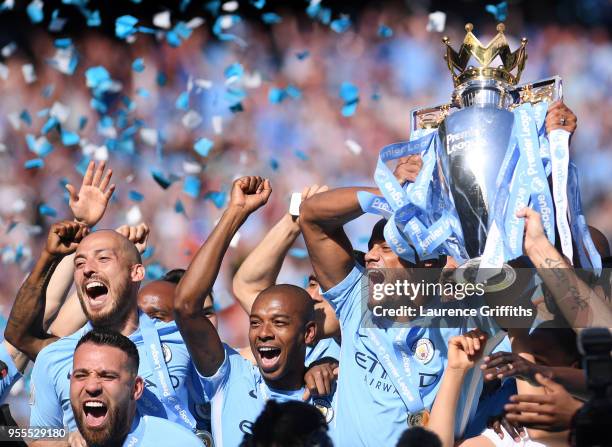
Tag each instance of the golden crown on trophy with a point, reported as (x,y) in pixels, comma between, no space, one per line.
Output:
(472,47)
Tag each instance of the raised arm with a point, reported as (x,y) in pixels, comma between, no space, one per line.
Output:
(261,267)
(24,329)
(463,353)
(580,305)
(201,337)
(88,206)
(322,218)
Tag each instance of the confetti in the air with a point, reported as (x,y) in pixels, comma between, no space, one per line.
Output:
(349,93)
(353,146)
(162,20)
(436,22)
(203,146)
(384,31)
(499,11)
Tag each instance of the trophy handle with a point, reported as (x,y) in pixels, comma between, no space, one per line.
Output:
(549,89)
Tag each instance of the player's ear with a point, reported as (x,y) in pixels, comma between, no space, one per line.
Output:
(137,272)
(310,333)
(138,388)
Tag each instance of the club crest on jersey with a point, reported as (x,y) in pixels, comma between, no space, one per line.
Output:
(325,408)
(167,352)
(423,350)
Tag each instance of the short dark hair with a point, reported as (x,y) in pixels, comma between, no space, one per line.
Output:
(175,275)
(419,436)
(288,424)
(102,337)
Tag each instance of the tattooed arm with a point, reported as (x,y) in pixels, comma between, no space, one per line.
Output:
(580,305)
(25,329)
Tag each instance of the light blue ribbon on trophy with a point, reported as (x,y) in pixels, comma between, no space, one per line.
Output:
(528,147)
(587,253)
(559,152)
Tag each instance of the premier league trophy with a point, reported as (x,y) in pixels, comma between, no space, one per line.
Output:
(485,155)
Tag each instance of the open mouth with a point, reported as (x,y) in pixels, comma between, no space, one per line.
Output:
(96,291)
(95,413)
(376,276)
(269,357)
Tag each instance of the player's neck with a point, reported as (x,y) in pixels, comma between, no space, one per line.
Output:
(291,381)
(126,325)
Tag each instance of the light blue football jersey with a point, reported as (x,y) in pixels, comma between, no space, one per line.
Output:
(51,376)
(150,431)
(368,409)
(238,395)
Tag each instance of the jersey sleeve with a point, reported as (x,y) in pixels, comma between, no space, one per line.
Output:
(345,297)
(46,406)
(8,372)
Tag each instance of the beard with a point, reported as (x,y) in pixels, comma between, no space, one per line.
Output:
(115,313)
(114,431)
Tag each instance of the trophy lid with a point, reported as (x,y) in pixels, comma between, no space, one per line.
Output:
(509,72)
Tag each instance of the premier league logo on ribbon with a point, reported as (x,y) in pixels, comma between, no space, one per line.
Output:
(486,155)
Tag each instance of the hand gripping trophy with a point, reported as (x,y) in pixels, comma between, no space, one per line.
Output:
(486,154)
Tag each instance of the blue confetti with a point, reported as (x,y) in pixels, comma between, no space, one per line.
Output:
(35,11)
(173,39)
(316,11)
(25,117)
(81,166)
(51,123)
(40,147)
(46,210)
(161,79)
(301,155)
(179,207)
(259,4)
(276,95)
(143,92)
(125,26)
(302,55)
(350,95)
(154,271)
(93,18)
(384,31)
(161,179)
(274,164)
(235,70)
(271,18)
(138,65)
(341,25)
(48,91)
(235,108)
(191,186)
(293,91)
(82,122)
(221,23)
(299,253)
(135,196)
(34,163)
(63,43)
(182,102)
(213,7)
(182,30)
(217,197)
(148,252)
(70,138)
(203,146)
(499,11)
(98,79)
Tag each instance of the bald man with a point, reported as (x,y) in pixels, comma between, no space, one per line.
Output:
(156,299)
(108,272)
(281,326)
